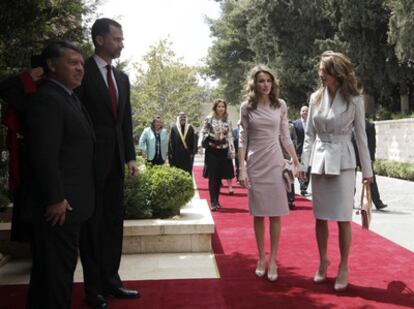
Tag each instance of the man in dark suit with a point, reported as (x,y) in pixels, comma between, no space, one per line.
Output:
(372,146)
(300,126)
(105,93)
(60,190)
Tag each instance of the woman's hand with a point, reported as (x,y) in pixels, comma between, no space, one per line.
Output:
(367,180)
(200,150)
(302,176)
(243,179)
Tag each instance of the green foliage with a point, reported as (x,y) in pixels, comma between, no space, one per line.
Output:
(394,169)
(27,25)
(165,86)
(401,28)
(158,192)
(289,36)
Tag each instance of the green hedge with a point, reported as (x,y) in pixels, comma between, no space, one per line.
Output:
(158,192)
(394,169)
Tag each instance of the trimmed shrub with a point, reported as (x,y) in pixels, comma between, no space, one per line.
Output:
(158,192)
(394,169)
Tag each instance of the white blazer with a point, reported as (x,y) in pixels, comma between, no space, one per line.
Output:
(327,147)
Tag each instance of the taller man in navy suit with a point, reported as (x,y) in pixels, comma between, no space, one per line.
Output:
(105,92)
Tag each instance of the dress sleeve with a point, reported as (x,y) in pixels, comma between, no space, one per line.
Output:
(230,138)
(244,126)
(284,126)
(204,132)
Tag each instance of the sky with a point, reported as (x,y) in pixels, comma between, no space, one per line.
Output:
(145,22)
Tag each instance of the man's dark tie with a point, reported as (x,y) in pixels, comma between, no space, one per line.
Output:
(112,90)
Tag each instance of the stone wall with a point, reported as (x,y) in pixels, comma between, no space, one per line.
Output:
(395,140)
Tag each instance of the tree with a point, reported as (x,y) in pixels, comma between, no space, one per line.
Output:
(27,25)
(401,29)
(230,57)
(165,86)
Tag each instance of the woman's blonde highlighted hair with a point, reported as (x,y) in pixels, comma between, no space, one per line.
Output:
(251,95)
(340,66)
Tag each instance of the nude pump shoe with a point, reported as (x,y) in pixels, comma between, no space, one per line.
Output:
(272,273)
(260,269)
(341,282)
(320,275)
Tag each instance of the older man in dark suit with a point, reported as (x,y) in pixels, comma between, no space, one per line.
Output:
(60,190)
(105,93)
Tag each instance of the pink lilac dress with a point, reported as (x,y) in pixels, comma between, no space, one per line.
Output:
(262,131)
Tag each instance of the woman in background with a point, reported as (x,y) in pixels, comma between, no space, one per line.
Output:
(335,110)
(154,142)
(216,137)
(263,131)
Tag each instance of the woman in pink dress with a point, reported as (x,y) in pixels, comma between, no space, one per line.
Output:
(263,128)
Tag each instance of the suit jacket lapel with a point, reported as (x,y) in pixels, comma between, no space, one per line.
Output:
(121,94)
(100,84)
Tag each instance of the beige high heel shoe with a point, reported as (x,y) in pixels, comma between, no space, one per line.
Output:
(341,282)
(272,273)
(320,275)
(260,269)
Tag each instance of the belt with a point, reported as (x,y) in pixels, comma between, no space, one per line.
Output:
(334,138)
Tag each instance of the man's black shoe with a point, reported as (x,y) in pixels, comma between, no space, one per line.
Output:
(96,301)
(381,206)
(291,206)
(213,207)
(122,293)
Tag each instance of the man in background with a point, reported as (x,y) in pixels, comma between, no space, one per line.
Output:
(372,146)
(182,145)
(300,127)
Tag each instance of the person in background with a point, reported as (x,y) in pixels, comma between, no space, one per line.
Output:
(335,110)
(182,145)
(300,126)
(291,193)
(372,146)
(264,130)
(236,131)
(105,93)
(154,142)
(16,92)
(216,137)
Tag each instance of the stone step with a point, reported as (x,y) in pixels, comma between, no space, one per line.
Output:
(189,232)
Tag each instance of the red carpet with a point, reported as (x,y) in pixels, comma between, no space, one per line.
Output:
(381,272)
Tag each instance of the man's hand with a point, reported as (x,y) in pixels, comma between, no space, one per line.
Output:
(56,213)
(133,168)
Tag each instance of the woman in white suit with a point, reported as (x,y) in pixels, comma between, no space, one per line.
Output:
(335,110)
